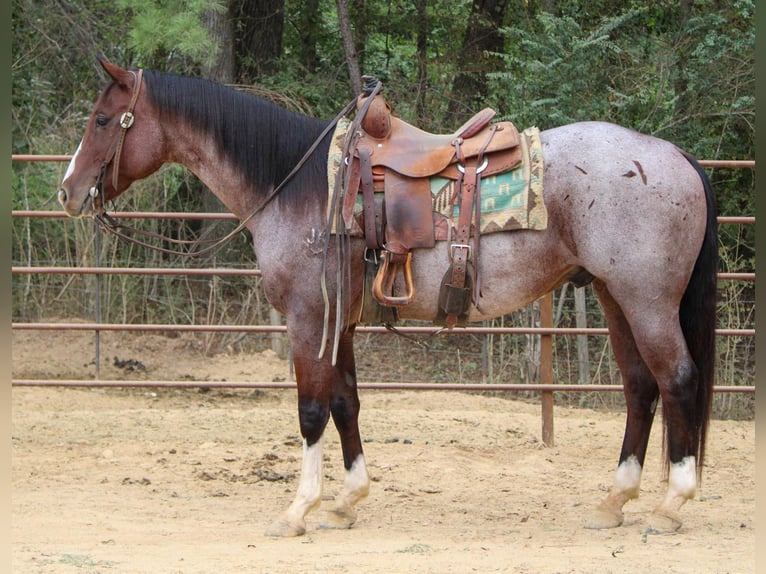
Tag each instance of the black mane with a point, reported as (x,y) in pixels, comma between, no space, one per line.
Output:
(264,140)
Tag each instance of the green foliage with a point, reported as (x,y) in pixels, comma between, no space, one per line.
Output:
(690,81)
(560,71)
(631,69)
(170,28)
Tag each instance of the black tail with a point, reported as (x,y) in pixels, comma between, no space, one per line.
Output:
(698,316)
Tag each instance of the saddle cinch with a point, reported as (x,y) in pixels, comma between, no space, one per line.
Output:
(391,156)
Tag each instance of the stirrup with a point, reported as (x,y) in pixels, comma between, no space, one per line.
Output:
(384,281)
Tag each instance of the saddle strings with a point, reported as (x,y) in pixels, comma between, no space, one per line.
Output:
(343,240)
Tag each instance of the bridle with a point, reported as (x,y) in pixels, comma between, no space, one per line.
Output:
(115,152)
(109,224)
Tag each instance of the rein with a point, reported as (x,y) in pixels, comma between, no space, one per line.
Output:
(109,224)
(342,249)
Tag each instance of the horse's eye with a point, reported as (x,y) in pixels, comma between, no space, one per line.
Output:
(101,121)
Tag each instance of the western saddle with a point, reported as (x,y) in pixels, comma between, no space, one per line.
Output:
(385,154)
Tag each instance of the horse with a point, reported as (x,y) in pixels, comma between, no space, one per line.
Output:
(630,213)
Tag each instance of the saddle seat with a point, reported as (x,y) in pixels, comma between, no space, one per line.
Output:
(412,152)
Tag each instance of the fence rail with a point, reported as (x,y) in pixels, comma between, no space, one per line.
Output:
(388,386)
(407,330)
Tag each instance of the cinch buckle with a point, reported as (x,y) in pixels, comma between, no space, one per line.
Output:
(454,246)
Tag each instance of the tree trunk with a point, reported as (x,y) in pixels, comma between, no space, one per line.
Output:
(352,61)
(680,79)
(422,27)
(549,6)
(258,37)
(220,26)
(308,26)
(469,89)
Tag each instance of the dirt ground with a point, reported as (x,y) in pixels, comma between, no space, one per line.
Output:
(184,481)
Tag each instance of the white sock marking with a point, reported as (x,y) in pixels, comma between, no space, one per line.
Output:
(357,481)
(627,477)
(682,479)
(309,493)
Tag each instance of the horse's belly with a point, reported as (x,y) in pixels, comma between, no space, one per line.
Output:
(516,268)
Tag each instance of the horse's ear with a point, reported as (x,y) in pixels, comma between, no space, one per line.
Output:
(115,72)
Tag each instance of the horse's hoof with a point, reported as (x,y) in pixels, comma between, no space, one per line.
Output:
(663,522)
(601,518)
(283,529)
(338,519)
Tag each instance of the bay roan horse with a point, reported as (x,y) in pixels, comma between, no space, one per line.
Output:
(632,213)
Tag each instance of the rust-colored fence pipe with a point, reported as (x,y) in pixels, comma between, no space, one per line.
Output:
(379,386)
(738,219)
(222,271)
(408,330)
(734,163)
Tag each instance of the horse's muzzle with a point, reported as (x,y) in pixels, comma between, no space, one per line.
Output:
(84,209)
(61,195)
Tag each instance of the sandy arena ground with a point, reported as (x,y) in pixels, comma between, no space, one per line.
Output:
(185,481)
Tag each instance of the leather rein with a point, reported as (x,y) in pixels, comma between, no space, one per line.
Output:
(109,224)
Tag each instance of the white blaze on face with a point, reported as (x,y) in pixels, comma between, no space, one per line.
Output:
(70,169)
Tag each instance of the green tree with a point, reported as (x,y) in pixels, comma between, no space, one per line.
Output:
(165,31)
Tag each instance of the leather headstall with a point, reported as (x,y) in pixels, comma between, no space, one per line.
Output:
(126,121)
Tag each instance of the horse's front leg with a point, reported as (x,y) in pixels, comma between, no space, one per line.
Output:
(315,378)
(344,406)
(323,387)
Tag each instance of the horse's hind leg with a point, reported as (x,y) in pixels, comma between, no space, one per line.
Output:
(344,407)
(663,346)
(655,333)
(641,395)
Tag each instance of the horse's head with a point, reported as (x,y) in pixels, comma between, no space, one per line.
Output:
(120,145)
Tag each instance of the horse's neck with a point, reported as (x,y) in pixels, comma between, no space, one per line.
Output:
(201,156)
(218,171)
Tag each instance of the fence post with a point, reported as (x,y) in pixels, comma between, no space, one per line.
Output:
(97,303)
(278,340)
(581,322)
(546,367)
